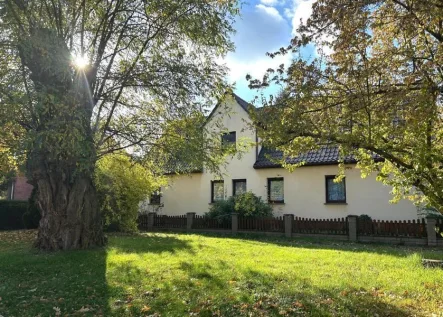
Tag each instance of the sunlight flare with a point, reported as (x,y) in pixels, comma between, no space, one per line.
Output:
(80,61)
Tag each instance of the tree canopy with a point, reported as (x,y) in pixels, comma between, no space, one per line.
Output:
(374,88)
(84,78)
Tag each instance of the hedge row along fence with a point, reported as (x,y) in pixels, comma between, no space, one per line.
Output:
(15,215)
(416,232)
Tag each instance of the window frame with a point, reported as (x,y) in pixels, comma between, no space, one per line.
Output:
(227,145)
(328,201)
(240,180)
(212,189)
(159,195)
(269,190)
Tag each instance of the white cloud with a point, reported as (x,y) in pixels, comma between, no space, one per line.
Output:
(273,12)
(256,68)
(260,29)
(270,2)
(302,10)
(288,13)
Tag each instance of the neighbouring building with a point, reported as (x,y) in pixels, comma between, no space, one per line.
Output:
(308,192)
(19,189)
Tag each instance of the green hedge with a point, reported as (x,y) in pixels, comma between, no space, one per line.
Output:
(11,214)
(16,215)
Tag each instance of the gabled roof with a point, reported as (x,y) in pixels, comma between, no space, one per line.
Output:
(327,155)
(242,103)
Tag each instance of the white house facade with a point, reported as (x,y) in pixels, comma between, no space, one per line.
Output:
(307,192)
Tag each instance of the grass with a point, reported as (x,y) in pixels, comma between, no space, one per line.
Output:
(203,275)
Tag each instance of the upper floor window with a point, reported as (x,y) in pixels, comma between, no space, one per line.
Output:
(335,192)
(276,190)
(155,198)
(229,139)
(217,190)
(238,186)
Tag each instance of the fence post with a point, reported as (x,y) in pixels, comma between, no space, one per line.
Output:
(289,219)
(352,228)
(234,223)
(430,228)
(151,216)
(189,220)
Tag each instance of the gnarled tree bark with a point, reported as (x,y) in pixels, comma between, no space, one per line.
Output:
(62,155)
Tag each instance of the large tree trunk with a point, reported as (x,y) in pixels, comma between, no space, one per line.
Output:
(61,155)
(70,214)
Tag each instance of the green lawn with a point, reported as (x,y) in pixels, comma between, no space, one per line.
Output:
(198,275)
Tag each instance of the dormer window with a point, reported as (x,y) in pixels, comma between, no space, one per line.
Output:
(228,140)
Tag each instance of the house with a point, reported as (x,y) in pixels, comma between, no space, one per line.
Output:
(19,189)
(308,192)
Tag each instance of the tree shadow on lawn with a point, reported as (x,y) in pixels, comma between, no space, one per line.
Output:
(321,243)
(80,283)
(75,282)
(40,283)
(302,297)
(199,288)
(153,243)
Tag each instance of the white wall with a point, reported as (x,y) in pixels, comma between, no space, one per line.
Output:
(304,189)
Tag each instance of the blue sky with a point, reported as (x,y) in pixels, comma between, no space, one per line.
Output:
(264,26)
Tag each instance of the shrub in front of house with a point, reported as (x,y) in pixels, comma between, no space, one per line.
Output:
(365,218)
(245,205)
(121,184)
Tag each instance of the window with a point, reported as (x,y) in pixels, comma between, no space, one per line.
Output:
(228,140)
(217,191)
(155,198)
(276,190)
(238,186)
(335,192)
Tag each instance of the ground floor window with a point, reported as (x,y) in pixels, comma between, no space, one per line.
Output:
(155,198)
(335,192)
(276,190)
(217,191)
(238,186)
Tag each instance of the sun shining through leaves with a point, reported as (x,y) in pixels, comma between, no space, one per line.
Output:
(80,61)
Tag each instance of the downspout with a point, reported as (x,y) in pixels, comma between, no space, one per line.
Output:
(12,190)
(256,145)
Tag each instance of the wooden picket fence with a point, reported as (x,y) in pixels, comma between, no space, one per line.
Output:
(202,222)
(142,221)
(405,228)
(269,224)
(337,226)
(170,221)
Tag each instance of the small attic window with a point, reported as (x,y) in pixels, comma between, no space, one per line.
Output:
(228,140)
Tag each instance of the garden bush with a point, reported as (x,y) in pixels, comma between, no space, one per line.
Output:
(121,185)
(245,205)
(364,218)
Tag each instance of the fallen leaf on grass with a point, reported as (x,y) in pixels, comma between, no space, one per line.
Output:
(297,304)
(58,311)
(145,309)
(84,310)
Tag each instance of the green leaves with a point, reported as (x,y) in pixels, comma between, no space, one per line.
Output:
(374,91)
(121,185)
